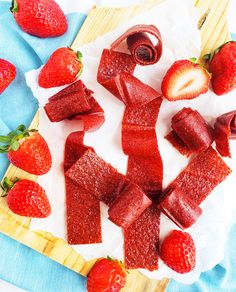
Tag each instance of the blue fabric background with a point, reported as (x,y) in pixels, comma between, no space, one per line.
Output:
(21,265)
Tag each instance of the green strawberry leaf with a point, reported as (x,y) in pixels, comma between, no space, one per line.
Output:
(79,56)
(14,7)
(5,139)
(15,145)
(193,60)
(21,128)
(4,149)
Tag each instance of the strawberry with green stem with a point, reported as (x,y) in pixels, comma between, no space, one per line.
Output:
(63,67)
(26,198)
(27,150)
(106,275)
(222,65)
(41,18)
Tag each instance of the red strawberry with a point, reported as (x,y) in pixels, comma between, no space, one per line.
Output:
(42,18)
(27,150)
(107,275)
(178,252)
(223,68)
(27,198)
(7,74)
(185,80)
(63,67)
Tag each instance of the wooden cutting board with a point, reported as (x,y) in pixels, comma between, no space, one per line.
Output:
(214,32)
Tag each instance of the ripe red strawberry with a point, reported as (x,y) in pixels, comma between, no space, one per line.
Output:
(223,68)
(7,74)
(27,150)
(178,251)
(63,67)
(42,18)
(107,275)
(26,198)
(185,80)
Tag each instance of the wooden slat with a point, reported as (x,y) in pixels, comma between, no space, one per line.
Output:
(214,32)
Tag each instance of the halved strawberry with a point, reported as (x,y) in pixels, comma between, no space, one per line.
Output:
(185,80)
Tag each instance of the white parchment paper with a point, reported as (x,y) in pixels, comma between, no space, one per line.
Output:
(177,22)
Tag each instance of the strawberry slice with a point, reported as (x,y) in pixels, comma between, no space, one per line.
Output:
(185,80)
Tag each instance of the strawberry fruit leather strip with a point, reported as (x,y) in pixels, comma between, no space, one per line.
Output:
(191,133)
(103,181)
(142,240)
(83,210)
(139,139)
(139,44)
(128,206)
(225,129)
(76,102)
(192,186)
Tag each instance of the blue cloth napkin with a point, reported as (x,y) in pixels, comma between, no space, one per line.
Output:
(21,265)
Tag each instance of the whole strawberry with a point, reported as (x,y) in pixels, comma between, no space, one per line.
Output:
(42,18)
(178,252)
(107,275)
(7,74)
(27,150)
(223,68)
(185,79)
(27,198)
(63,67)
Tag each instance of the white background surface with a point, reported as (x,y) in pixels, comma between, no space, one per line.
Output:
(85,6)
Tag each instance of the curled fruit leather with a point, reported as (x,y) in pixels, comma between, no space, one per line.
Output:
(75,102)
(82,208)
(139,140)
(143,51)
(191,133)
(180,202)
(126,200)
(225,129)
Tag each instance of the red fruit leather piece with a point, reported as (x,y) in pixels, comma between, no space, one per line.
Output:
(193,185)
(97,177)
(225,129)
(142,240)
(83,210)
(193,133)
(92,119)
(179,208)
(139,141)
(76,102)
(147,172)
(67,106)
(129,206)
(74,87)
(112,64)
(139,44)
(126,200)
